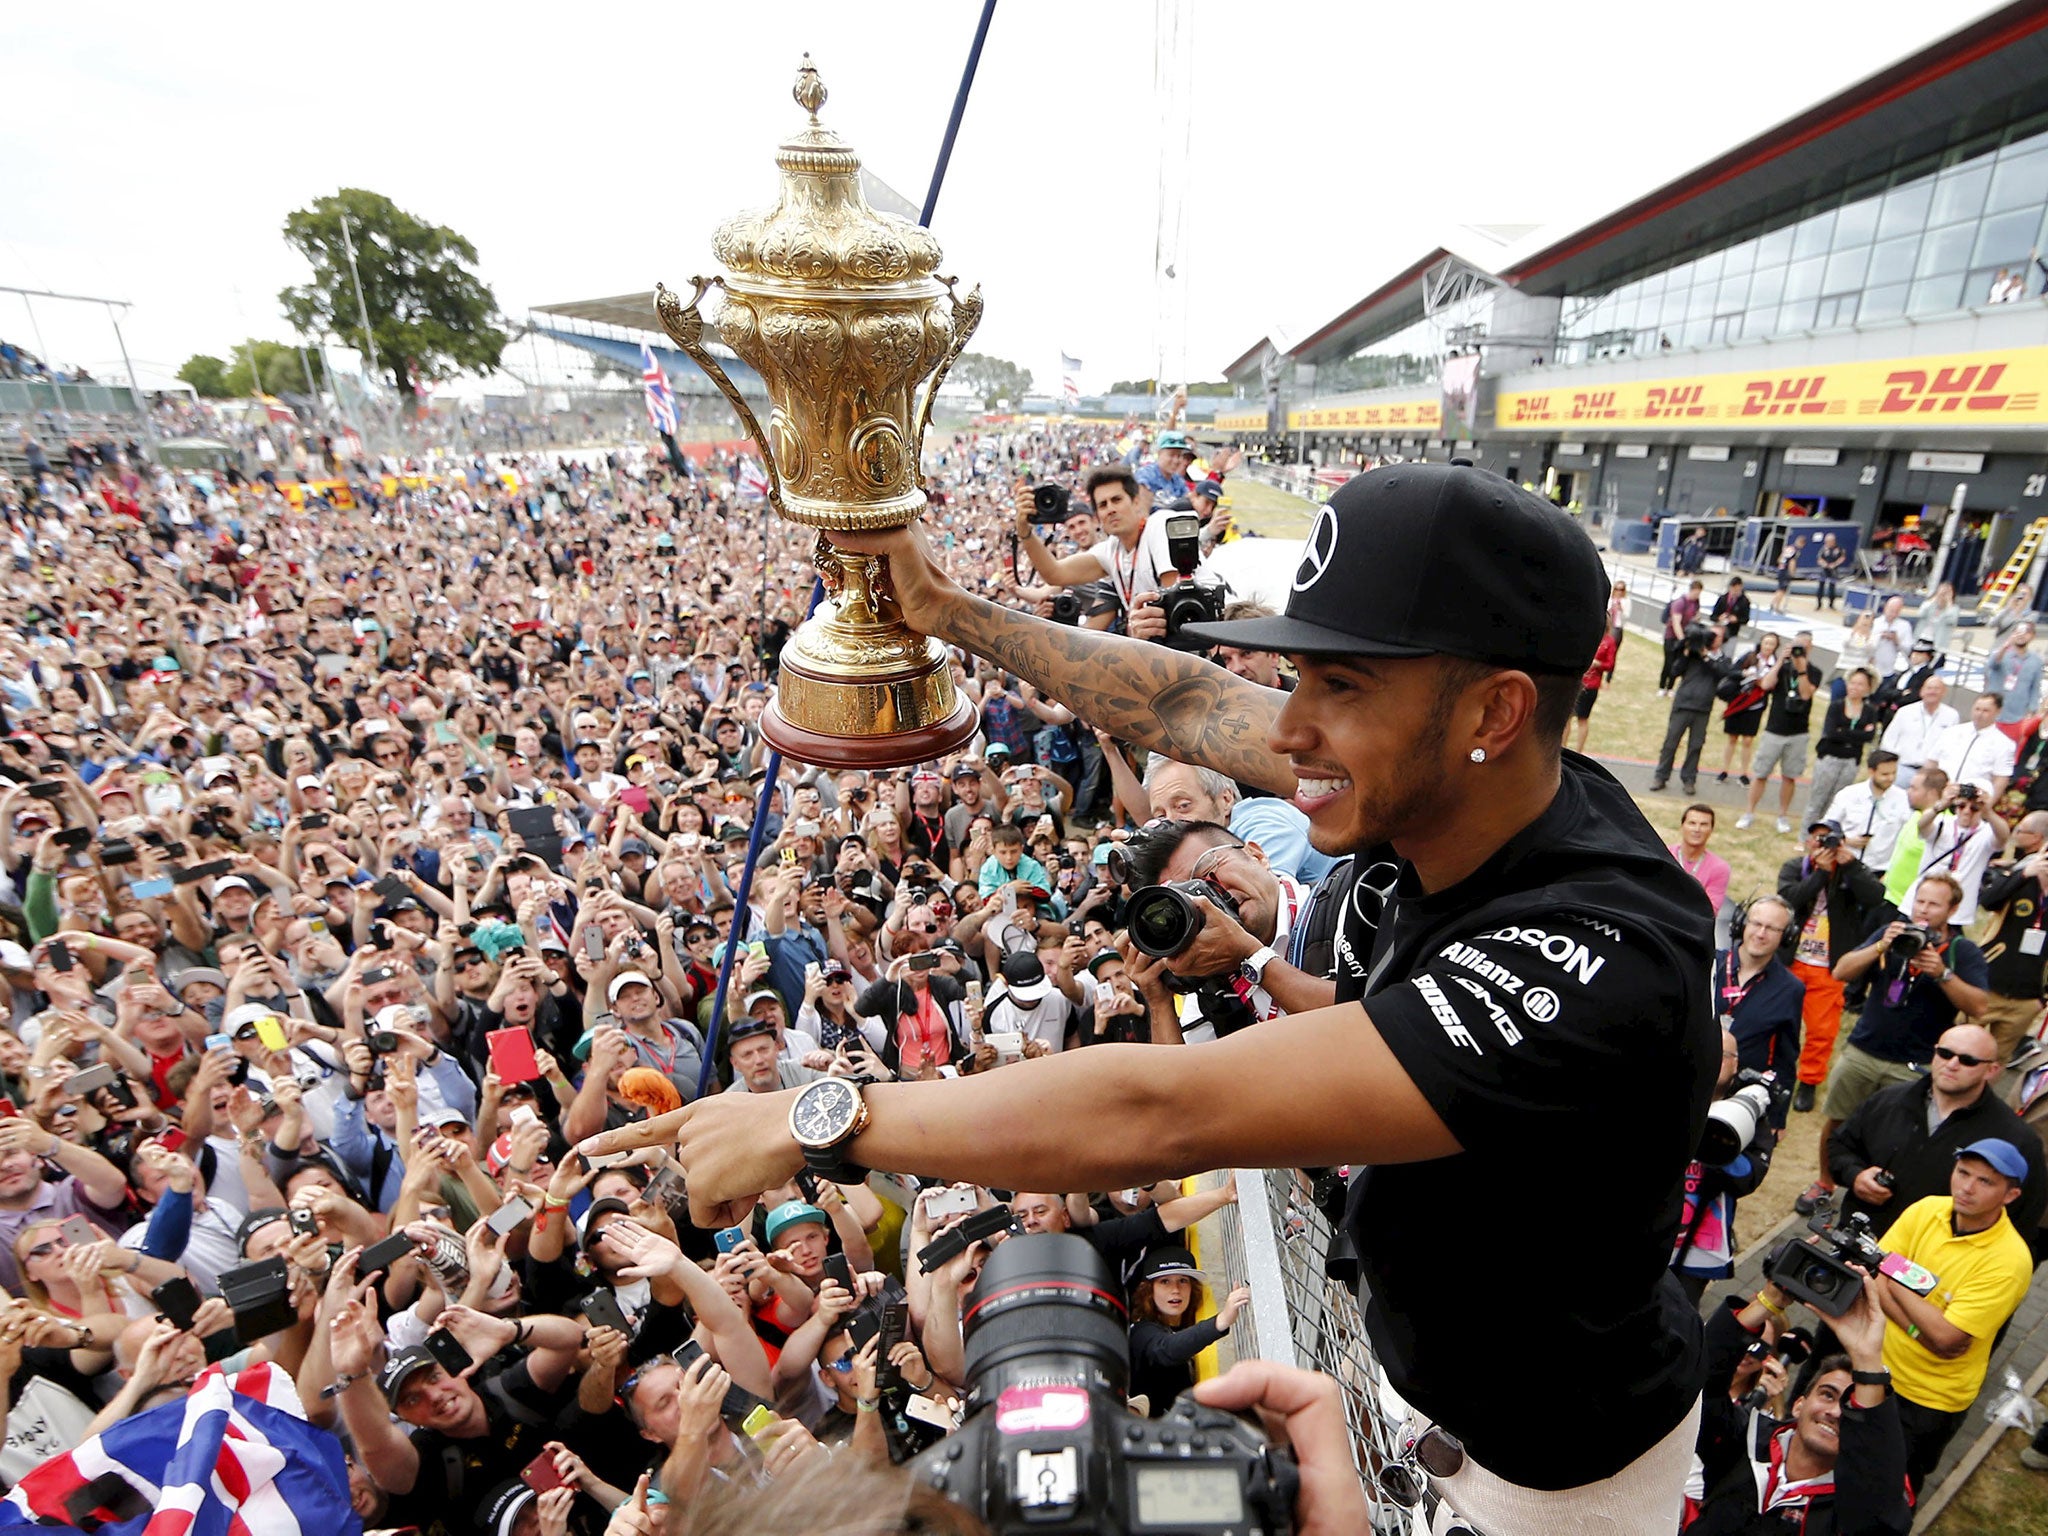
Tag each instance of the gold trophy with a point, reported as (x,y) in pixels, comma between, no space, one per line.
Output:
(836,307)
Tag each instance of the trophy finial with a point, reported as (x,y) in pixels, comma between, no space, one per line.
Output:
(809,90)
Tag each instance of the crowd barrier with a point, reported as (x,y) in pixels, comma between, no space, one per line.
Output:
(1276,1241)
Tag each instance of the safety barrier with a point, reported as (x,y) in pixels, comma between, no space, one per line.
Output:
(1276,1241)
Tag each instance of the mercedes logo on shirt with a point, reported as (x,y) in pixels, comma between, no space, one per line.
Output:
(1322,547)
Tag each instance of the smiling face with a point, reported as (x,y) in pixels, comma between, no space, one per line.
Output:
(432,1399)
(1817,1416)
(1367,738)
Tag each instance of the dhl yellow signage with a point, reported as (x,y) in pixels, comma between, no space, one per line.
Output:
(1241,421)
(2005,388)
(1422,416)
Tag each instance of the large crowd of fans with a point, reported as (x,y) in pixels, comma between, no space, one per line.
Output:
(362,854)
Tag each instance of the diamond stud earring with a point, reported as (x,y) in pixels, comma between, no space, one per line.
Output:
(1478,754)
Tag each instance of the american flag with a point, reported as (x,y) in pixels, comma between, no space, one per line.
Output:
(661,401)
(235,1458)
(1070,377)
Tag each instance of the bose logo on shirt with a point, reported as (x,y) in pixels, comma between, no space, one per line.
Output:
(1557,948)
(1446,1015)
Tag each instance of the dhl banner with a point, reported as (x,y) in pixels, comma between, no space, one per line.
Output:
(2005,388)
(1418,417)
(1241,421)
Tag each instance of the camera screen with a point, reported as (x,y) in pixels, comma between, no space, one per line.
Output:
(1175,1495)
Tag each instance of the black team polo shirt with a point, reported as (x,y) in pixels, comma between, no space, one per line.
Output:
(1553,1009)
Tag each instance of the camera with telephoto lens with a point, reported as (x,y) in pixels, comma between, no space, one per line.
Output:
(1066,607)
(1732,1121)
(1816,1269)
(1048,1444)
(1050,504)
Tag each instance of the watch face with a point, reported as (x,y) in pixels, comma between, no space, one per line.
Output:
(823,1113)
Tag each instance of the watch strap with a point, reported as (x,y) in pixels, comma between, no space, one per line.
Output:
(1877,1378)
(829,1165)
(1254,966)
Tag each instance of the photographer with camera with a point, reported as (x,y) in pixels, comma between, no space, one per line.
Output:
(1211,906)
(2017,947)
(1791,685)
(1833,1463)
(1440,622)
(1696,667)
(1133,556)
(1735,1154)
(1938,1346)
(1899,1144)
(1922,974)
(1758,998)
(1833,899)
(1959,836)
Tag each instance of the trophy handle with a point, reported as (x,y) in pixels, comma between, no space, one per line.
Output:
(966,316)
(685,327)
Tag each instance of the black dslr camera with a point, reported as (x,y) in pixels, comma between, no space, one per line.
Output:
(1048,1444)
(1909,941)
(1050,504)
(1187,601)
(1163,919)
(1698,639)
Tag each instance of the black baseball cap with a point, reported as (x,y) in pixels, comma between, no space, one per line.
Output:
(1437,560)
(399,1366)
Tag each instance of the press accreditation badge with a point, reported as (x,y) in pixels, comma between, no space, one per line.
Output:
(2031,940)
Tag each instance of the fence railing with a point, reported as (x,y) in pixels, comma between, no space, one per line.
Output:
(1276,1241)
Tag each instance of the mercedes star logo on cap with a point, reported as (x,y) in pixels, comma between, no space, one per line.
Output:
(1321,547)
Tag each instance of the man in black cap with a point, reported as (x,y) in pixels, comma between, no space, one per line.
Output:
(1519,957)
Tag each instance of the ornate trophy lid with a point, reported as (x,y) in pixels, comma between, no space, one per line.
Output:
(821,231)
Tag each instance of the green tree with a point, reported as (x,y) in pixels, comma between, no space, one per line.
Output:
(993,378)
(208,375)
(431,316)
(266,368)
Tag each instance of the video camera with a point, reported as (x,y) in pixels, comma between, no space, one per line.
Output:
(1732,1121)
(1699,638)
(1047,1350)
(1816,1269)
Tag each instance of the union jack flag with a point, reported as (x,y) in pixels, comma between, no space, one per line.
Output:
(751,479)
(661,401)
(235,1458)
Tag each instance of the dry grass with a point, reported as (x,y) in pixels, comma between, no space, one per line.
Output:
(2002,1498)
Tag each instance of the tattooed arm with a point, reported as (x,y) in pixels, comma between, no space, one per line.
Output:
(1146,694)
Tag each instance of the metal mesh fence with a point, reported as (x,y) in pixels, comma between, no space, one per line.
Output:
(1279,1242)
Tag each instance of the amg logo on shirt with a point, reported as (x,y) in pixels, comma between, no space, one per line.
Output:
(1472,960)
(1560,949)
(1446,1015)
(1494,1011)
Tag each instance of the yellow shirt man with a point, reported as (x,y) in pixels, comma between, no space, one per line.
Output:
(1984,1277)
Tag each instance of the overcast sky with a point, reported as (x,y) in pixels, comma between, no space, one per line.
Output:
(150,153)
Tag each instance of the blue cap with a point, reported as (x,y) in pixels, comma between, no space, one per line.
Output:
(2002,1155)
(794,1213)
(1174,439)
